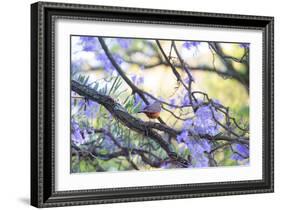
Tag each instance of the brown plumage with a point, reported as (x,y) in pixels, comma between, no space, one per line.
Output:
(152,115)
(152,111)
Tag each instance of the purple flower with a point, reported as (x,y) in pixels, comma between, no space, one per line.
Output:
(185,100)
(217,115)
(137,80)
(241,152)
(204,122)
(190,44)
(78,136)
(196,146)
(91,109)
(197,150)
(173,102)
(141,67)
(165,164)
(216,102)
(105,62)
(134,78)
(183,137)
(124,43)
(118,59)
(187,124)
(89,43)
(188,78)
(236,156)
(245,45)
(88,113)
(205,145)
(138,100)
(201,162)
(141,80)
(75,66)
(81,103)
(87,38)
(242,149)
(198,102)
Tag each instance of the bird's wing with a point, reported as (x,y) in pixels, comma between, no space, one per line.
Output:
(152,108)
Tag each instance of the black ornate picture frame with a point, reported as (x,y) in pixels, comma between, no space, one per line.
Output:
(43,106)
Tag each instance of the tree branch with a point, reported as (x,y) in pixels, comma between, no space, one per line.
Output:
(203,68)
(132,150)
(120,114)
(142,127)
(123,151)
(175,72)
(134,88)
(228,64)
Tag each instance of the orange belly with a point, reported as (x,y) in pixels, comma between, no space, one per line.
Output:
(152,115)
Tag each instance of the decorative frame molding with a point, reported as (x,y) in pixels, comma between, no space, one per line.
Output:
(43,16)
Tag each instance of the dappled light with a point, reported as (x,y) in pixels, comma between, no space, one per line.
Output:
(141,104)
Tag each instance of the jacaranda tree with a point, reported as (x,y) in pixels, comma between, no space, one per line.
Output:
(193,130)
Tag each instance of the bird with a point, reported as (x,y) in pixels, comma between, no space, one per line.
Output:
(152,111)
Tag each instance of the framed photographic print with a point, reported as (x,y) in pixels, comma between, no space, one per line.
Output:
(133,104)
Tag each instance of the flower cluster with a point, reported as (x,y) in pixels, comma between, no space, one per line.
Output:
(205,120)
(86,107)
(75,66)
(197,148)
(137,80)
(138,100)
(102,58)
(203,123)
(89,43)
(190,44)
(186,100)
(241,152)
(91,109)
(245,45)
(78,135)
(198,136)
(124,43)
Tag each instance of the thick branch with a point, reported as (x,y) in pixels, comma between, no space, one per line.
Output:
(138,125)
(140,152)
(128,120)
(123,151)
(203,68)
(134,88)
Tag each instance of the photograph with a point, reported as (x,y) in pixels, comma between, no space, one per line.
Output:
(133,104)
(141,104)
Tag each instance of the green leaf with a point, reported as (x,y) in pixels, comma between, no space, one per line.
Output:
(83,166)
(137,108)
(103,151)
(112,86)
(96,86)
(86,80)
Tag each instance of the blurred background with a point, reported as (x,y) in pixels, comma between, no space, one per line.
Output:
(221,72)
